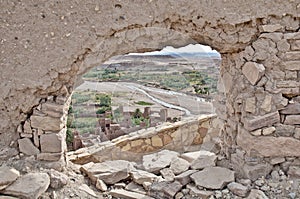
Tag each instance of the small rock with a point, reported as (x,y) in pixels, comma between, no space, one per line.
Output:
(256,132)
(265,188)
(277,160)
(7,176)
(179,195)
(275,175)
(167,174)
(101,185)
(194,191)
(255,193)
(57,179)
(179,165)
(269,130)
(213,177)
(245,182)
(140,176)
(259,182)
(120,185)
(184,178)
(164,189)
(205,159)
(88,190)
(292,195)
(238,189)
(132,186)
(31,185)
(218,194)
(121,193)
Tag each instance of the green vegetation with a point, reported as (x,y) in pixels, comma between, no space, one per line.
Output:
(143,103)
(138,118)
(202,82)
(79,106)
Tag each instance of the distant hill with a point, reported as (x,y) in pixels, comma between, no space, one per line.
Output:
(172,55)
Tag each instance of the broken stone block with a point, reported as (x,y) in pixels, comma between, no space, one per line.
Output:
(250,105)
(292,119)
(277,160)
(46,123)
(291,109)
(271,27)
(184,178)
(140,176)
(294,171)
(253,72)
(293,55)
(268,146)
(7,176)
(205,159)
(267,103)
(27,147)
(27,127)
(51,143)
(164,189)
(285,130)
(253,172)
(29,186)
(288,84)
(261,121)
(87,190)
(157,161)
(213,177)
(132,186)
(49,156)
(238,189)
(110,172)
(295,45)
(179,165)
(121,193)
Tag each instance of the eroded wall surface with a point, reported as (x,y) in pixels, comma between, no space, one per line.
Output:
(46,45)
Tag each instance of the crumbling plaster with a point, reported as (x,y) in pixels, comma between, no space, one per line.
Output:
(46,45)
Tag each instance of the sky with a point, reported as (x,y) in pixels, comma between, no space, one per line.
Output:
(191,48)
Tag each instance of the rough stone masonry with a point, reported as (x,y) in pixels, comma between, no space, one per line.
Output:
(47,45)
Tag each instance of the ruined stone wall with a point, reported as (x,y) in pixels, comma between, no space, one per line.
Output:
(182,136)
(45,46)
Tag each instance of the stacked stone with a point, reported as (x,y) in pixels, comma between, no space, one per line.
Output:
(185,135)
(262,106)
(43,134)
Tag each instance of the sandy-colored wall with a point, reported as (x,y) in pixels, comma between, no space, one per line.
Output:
(47,45)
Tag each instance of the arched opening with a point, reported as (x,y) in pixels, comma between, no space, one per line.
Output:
(141,91)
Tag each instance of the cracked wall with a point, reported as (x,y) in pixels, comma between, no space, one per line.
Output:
(45,46)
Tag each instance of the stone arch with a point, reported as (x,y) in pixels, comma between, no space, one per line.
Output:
(262,37)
